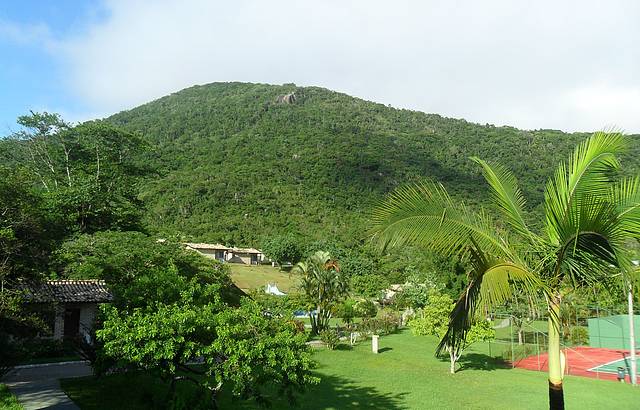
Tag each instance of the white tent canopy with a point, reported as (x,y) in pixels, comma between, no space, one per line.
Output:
(273,290)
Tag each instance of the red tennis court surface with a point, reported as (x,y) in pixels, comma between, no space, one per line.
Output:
(579,361)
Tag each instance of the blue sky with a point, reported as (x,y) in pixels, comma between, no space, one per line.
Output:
(572,65)
(30,74)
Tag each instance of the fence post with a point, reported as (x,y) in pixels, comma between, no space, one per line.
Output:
(511,334)
(538,350)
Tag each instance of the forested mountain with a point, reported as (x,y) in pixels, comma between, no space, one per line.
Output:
(235,162)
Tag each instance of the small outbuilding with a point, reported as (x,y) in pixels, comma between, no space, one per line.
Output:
(75,304)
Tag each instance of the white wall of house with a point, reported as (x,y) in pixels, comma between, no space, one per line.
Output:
(87,316)
(58,324)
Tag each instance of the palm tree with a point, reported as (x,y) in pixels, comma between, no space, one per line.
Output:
(589,213)
(323,284)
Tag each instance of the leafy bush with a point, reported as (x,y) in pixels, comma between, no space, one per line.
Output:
(330,338)
(389,320)
(370,285)
(421,326)
(365,308)
(299,324)
(370,326)
(579,335)
(346,311)
(45,348)
(283,248)
(434,317)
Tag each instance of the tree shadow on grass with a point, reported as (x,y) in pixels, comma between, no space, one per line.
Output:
(341,393)
(478,361)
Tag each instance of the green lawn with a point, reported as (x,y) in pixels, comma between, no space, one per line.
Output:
(405,375)
(248,277)
(7,400)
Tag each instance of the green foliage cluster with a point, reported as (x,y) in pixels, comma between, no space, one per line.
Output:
(169,337)
(433,319)
(365,308)
(415,291)
(138,269)
(330,338)
(7,400)
(283,248)
(232,165)
(323,285)
(385,322)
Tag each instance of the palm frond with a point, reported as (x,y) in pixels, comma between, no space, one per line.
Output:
(492,282)
(593,238)
(626,195)
(425,215)
(507,195)
(587,174)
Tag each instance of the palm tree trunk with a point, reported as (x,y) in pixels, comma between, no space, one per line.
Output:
(556,395)
(452,360)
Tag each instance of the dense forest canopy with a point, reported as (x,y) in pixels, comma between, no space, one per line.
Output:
(250,164)
(235,163)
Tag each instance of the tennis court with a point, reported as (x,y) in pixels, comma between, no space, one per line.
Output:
(612,367)
(593,362)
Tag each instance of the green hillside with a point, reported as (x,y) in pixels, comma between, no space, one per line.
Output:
(231,164)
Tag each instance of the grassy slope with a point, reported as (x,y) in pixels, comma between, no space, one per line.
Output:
(248,277)
(7,400)
(405,376)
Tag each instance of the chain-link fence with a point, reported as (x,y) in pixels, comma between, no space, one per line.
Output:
(594,346)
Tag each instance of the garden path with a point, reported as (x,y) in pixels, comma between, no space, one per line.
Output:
(38,386)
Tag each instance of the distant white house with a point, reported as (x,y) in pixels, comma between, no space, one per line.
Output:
(247,256)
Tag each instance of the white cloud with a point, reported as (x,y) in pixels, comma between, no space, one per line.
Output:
(26,34)
(544,64)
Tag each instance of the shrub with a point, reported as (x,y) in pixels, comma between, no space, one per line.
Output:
(299,324)
(520,352)
(434,317)
(389,320)
(370,285)
(365,308)
(421,326)
(345,310)
(330,338)
(386,322)
(579,335)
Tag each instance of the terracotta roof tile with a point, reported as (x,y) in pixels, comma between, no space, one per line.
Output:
(69,291)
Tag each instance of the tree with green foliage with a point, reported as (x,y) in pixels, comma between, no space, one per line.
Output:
(365,308)
(323,285)
(140,270)
(433,319)
(86,172)
(370,285)
(346,311)
(415,291)
(25,243)
(590,213)
(282,249)
(200,339)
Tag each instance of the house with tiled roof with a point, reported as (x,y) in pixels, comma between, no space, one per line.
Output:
(247,256)
(75,304)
